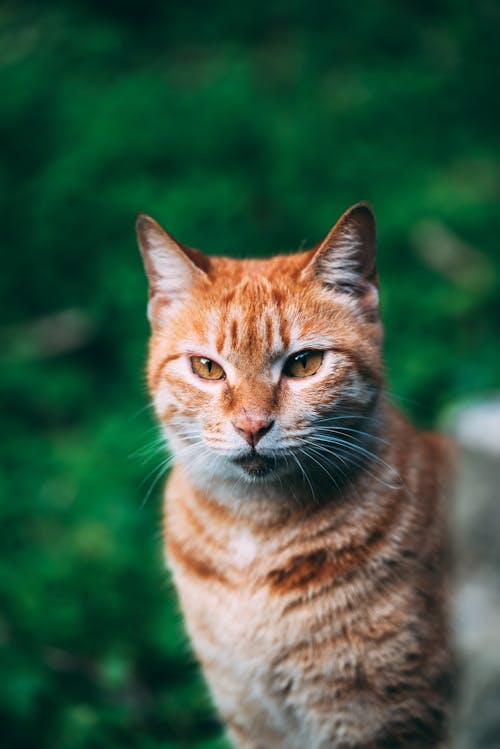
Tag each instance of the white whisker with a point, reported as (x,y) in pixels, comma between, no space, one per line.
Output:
(304,474)
(358,462)
(308,453)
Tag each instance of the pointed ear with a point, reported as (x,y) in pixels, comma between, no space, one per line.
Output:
(171,268)
(345,260)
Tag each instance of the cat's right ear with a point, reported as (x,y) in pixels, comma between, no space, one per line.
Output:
(171,268)
(345,260)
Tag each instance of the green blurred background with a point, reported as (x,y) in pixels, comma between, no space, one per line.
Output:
(244,129)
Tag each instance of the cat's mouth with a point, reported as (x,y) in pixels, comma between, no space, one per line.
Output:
(255,464)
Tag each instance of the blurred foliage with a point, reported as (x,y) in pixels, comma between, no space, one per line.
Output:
(245,129)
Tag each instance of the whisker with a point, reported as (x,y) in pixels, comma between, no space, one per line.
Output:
(341,430)
(147,407)
(160,471)
(334,456)
(329,439)
(307,452)
(358,462)
(150,450)
(347,417)
(304,474)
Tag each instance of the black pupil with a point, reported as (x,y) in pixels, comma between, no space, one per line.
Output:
(302,358)
(208,363)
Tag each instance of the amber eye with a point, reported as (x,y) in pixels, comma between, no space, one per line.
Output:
(207,369)
(303,364)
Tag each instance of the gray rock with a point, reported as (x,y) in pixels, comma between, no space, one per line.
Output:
(476,599)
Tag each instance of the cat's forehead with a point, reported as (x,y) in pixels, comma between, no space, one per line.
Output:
(252,319)
(253,312)
(257,318)
(253,291)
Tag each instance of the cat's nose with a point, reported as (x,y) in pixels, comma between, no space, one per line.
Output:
(252,428)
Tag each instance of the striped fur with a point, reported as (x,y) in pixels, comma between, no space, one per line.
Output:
(313,590)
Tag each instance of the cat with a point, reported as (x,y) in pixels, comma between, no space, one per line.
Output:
(305,519)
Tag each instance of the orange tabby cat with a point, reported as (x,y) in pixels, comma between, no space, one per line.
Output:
(305,518)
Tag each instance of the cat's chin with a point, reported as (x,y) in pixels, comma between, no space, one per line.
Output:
(256,466)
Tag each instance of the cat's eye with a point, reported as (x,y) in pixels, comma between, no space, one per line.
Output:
(303,364)
(207,369)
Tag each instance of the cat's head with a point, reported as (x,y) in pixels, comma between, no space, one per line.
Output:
(265,370)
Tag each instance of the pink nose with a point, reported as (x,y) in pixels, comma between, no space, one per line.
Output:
(252,428)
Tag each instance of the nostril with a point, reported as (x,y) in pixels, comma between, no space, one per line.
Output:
(263,430)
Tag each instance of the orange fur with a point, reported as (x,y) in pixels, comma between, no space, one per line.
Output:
(305,519)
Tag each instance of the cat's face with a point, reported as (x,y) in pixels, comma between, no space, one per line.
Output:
(256,366)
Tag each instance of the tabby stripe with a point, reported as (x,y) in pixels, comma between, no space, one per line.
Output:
(216,511)
(339,642)
(338,515)
(199,530)
(394,576)
(155,378)
(321,564)
(221,336)
(233,333)
(269,330)
(201,568)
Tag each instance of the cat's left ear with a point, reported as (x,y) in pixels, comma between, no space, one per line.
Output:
(345,260)
(171,267)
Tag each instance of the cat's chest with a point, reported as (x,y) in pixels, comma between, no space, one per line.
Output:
(266,652)
(243,548)
(276,620)
(259,607)
(256,588)
(223,587)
